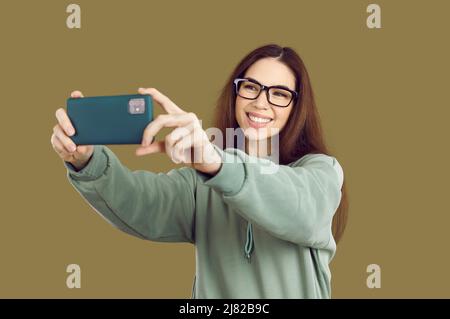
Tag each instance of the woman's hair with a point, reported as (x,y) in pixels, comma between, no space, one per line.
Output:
(302,134)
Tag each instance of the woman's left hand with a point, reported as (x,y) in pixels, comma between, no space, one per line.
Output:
(187,143)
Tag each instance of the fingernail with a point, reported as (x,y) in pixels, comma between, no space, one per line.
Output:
(71,131)
(73,148)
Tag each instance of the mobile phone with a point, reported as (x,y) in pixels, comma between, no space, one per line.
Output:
(101,120)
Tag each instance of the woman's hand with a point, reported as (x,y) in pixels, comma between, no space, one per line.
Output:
(78,156)
(187,143)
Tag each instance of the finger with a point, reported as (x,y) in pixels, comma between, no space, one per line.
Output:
(59,148)
(178,133)
(190,147)
(56,144)
(165,120)
(194,146)
(182,149)
(76,94)
(172,138)
(64,121)
(68,144)
(167,104)
(156,147)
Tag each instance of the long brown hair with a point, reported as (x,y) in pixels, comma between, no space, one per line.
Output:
(302,134)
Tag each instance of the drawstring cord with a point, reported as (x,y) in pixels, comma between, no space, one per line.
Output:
(249,243)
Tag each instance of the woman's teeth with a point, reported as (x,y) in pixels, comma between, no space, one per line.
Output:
(258,119)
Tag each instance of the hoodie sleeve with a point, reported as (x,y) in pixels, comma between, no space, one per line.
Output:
(294,202)
(158,207)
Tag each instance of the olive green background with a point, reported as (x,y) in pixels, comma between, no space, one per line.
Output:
(382,96)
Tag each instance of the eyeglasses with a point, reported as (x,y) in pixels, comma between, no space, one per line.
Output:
(277,95)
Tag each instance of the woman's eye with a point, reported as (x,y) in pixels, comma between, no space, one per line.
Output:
(249,87)
(281,94)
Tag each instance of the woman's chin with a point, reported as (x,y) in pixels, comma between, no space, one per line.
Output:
(257,134)
(261,133)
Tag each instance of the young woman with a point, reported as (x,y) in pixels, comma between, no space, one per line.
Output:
(257,234)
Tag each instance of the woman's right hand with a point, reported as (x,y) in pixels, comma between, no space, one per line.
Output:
(78,156)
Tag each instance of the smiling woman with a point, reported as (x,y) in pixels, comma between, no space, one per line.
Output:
(256,235)
(271,110)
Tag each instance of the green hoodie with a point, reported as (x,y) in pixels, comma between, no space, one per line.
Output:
(258,233)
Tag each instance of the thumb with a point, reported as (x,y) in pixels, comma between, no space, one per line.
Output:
(155,147)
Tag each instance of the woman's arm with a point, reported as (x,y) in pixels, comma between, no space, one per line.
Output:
(295,203)
(158,207)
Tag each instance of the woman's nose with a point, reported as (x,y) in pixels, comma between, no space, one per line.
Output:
(261,102)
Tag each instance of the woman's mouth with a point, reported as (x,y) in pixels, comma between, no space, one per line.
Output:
(256,120)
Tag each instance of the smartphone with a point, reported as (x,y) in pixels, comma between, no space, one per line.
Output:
(102,120)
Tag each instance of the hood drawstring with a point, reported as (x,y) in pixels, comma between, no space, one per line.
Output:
(249,243)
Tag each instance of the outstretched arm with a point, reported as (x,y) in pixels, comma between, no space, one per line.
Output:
(158,207)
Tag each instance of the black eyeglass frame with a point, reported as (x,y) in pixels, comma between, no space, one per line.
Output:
(266,88)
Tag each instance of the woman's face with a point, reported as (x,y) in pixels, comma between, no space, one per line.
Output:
(258,118)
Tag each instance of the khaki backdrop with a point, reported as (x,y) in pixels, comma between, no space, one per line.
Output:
(382,95)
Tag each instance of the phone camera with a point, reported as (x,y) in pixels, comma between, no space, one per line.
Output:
(136,106)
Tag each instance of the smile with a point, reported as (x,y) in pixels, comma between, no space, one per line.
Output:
(257,120)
